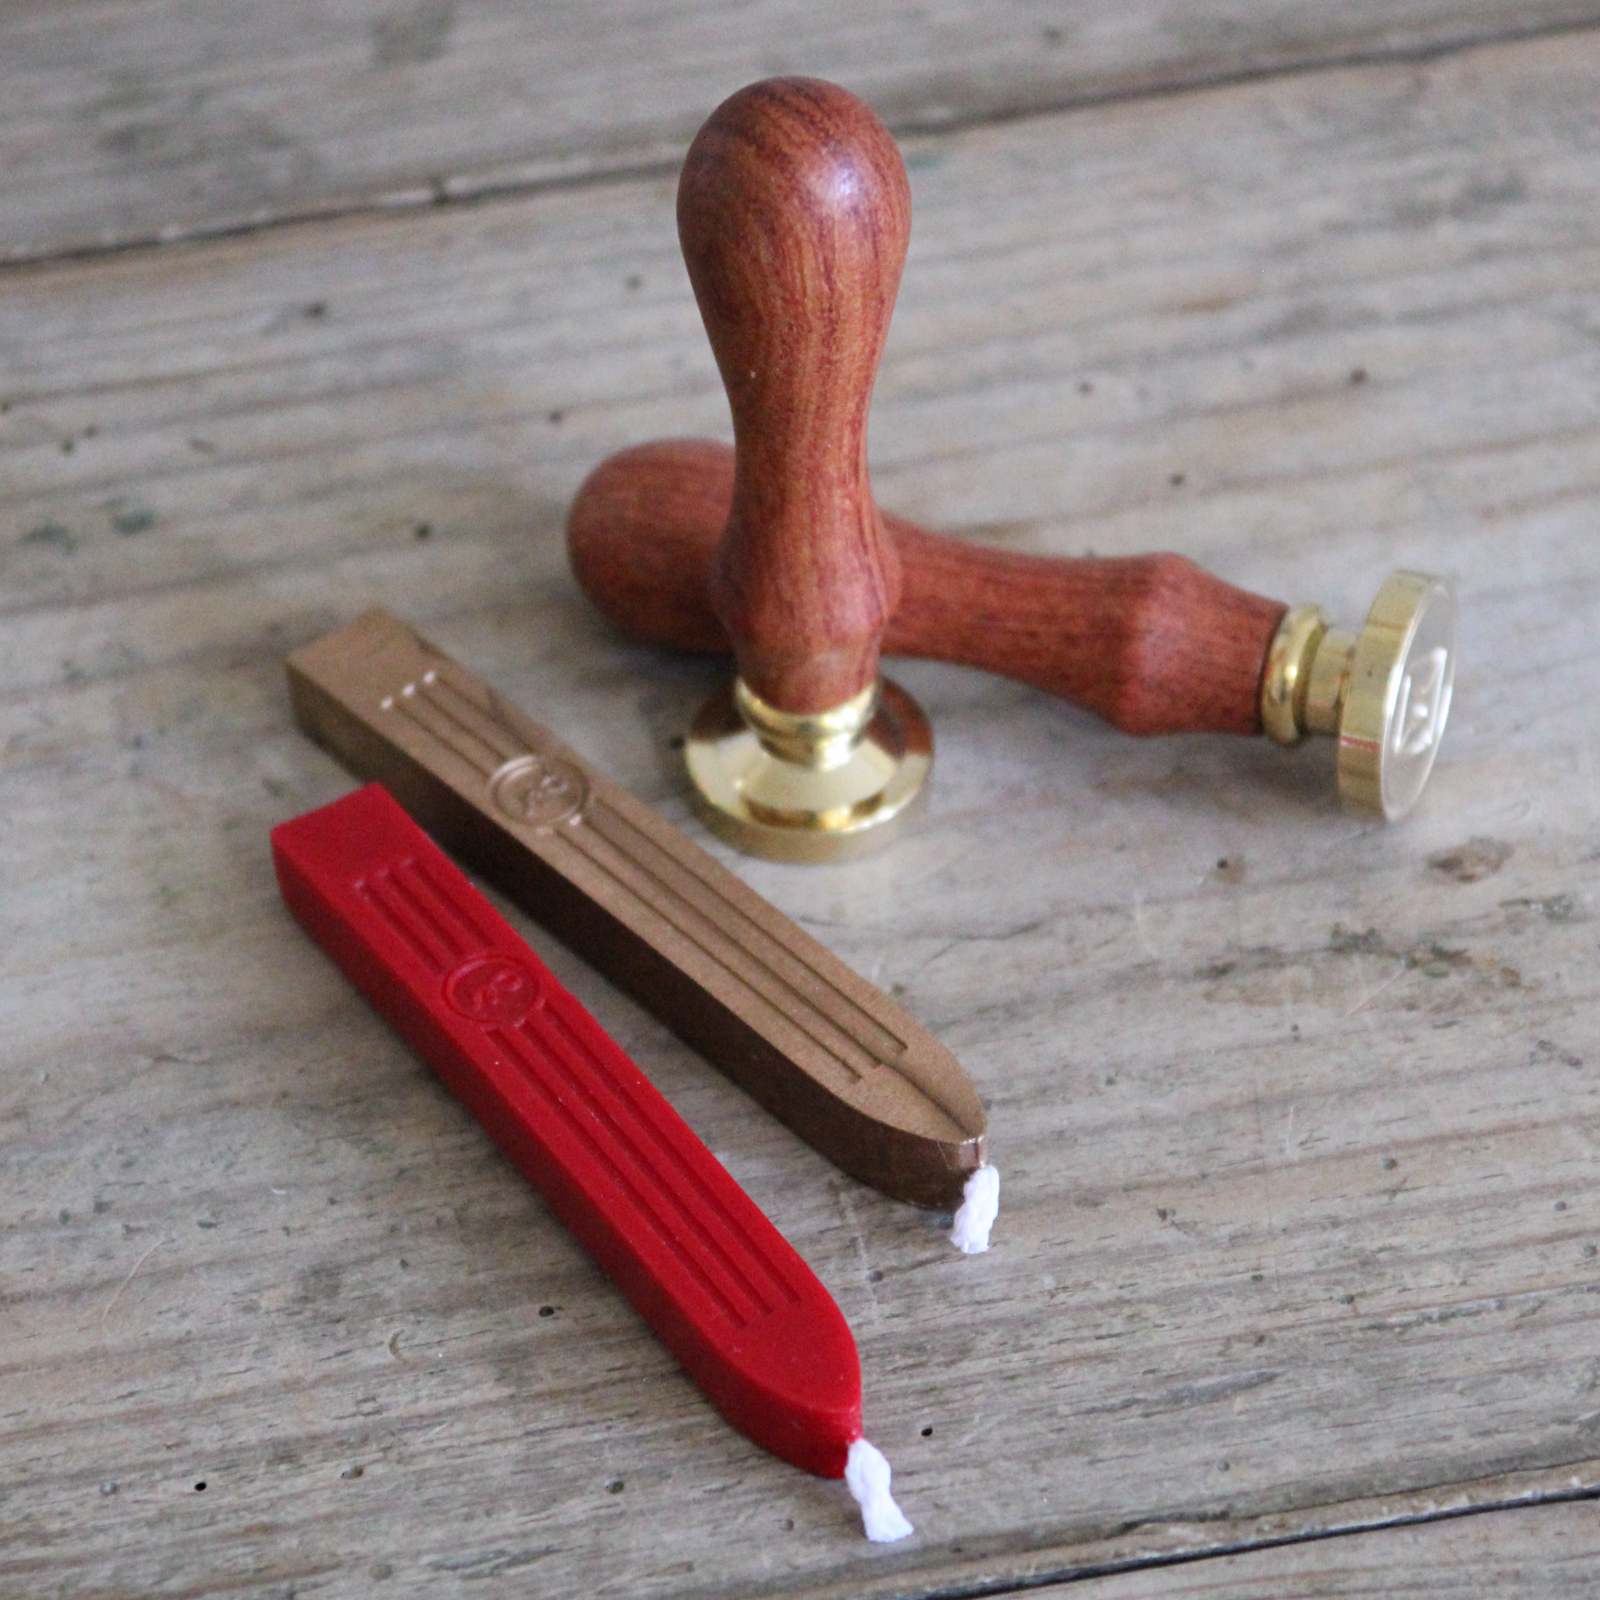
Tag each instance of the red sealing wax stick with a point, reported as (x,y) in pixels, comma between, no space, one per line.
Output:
(725,1292)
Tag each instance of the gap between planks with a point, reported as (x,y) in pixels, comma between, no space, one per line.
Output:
(1003,1587)
(1067,1573)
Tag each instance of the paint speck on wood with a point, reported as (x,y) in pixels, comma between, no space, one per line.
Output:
(1480,857)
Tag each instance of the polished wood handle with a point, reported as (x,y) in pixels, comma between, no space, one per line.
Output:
(794,213)
(1152,643)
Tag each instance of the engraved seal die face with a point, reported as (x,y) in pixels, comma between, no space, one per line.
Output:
(493,990)
(1402,679)
(538,791)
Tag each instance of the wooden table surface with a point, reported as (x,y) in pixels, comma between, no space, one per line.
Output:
(331,303)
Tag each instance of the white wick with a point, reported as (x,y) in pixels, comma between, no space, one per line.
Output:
(866,1475)
(980,1205)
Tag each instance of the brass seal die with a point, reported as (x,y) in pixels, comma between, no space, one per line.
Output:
(1384,692)
(809,786)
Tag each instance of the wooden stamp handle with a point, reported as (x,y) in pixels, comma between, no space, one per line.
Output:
(794,213)
(1151,643)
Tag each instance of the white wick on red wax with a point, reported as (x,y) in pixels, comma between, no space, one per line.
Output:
(866,1475)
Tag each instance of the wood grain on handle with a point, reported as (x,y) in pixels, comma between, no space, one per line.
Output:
(794,213)
(1151,643)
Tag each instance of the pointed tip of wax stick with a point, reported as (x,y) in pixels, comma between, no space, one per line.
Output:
(866,1475)
(980,1205)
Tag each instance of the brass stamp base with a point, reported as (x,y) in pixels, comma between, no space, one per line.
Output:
(820,787)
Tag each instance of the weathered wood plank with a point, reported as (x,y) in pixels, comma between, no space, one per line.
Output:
(139,119)
(1298,1149)
(1532,1553)
(1325,1544)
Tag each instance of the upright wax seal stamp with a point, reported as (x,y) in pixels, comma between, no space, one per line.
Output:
(794,211)
(538,791)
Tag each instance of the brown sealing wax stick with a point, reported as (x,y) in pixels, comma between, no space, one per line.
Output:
(822,1049)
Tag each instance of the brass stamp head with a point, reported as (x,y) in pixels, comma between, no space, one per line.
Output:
(817,786)
(1384,692)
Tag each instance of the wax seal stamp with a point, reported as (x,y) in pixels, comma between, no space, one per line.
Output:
(794,213)
(1152,643)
